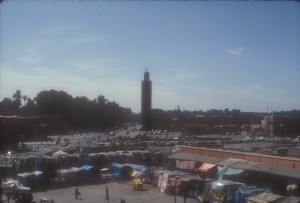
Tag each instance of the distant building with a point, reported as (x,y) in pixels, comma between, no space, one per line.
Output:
(278,126)
(15,129)
(195,129)
(226,129)
(146,100)
(256,129)
(267,124)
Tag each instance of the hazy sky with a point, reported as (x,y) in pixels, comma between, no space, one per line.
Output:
(200,54)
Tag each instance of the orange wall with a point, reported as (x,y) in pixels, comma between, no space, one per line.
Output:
(252,157)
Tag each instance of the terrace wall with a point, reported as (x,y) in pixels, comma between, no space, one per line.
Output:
(252,157)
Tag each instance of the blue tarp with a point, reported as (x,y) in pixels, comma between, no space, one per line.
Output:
(74,172)
(156,174)
(75,169)
(243,192)
(33,180)
(227,171)
(120,170)
(87,168)
(124,170)
(88,171)
(223,190)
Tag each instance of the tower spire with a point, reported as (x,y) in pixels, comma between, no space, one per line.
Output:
(146,75)
(146,100)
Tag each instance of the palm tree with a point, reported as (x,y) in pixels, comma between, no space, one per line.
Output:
(17,100)
(25,99)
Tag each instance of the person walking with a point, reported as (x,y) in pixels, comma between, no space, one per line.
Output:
(107,195)
(184,198)
(8,196)
(77,193)
(185,194)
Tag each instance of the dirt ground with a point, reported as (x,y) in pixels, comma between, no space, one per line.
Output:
(116,191)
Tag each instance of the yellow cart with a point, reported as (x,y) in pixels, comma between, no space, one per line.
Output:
(137,184)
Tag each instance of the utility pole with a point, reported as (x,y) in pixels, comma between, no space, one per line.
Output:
(175,189)
(176,173)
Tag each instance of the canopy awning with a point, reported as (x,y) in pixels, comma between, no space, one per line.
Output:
(206,167)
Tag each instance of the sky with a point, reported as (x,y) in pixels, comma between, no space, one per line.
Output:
(201,55)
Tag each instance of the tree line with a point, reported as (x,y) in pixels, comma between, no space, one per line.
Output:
(79,112)
(82,113)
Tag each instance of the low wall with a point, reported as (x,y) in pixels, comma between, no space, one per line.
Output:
(252,157)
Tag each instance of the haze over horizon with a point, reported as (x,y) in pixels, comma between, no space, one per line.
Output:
(201,55)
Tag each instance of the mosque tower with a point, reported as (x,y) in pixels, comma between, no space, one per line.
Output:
(146,100)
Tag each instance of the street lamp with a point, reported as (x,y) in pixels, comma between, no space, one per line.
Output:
(175,188)
(8,156)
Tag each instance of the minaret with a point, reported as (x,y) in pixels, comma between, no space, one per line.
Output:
(146,100)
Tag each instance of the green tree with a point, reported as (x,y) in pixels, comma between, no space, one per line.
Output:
(17,99)
(7,107)
(30,107)
(53,102)
(101,100)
